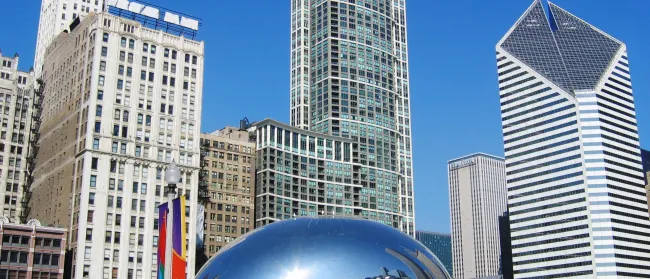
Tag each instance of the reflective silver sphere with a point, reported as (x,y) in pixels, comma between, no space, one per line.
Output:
(324,247)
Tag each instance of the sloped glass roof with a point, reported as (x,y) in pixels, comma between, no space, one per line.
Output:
(586,51)
(566,50)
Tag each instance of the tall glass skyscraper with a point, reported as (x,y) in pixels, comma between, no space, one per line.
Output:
(349,79)
(573,166)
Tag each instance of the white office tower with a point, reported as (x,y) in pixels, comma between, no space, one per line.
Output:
(17,97)
(477,196)
(122,100)
(56,16)
(573,166)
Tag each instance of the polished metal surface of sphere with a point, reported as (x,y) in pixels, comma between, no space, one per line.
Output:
(324,247)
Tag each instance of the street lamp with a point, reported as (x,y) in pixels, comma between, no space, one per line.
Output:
(172,176)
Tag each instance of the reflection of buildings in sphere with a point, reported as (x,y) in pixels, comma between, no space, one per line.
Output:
(324,247)
(395,274)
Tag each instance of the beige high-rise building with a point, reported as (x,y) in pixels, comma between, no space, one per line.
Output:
(122,100)
(17,95)
(477,196)
(55,17)
(230,167)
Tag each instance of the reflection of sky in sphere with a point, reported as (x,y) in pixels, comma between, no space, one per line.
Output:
(312,248)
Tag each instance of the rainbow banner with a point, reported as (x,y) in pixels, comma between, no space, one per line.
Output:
(162,239)
(178,241)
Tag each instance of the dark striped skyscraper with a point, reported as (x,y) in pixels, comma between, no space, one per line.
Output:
(349,79)
(573,166)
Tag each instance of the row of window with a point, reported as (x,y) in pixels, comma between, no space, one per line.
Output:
(151,48)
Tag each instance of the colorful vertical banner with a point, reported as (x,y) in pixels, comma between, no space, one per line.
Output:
(178,241)
(200,220)
(179,246)
(162,239)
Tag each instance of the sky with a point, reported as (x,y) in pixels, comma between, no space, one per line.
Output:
(455,100)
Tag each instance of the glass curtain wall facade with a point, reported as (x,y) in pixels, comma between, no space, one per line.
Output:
(439,244)
(349,79)
(573,166)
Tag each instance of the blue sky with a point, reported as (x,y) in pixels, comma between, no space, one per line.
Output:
(455,106)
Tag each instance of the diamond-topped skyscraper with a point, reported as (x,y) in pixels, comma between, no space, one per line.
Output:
(349,78)
(573,165)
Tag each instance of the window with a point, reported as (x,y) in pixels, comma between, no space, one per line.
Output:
(95,144)
(101,80)
(122,56)
(98,111)
(104,51)
(166,53)
(102,65)
(131,43)
(91,198)
(93,164)
(111,184)
(123,42)
(153,49)
(145,47)
(87,257)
